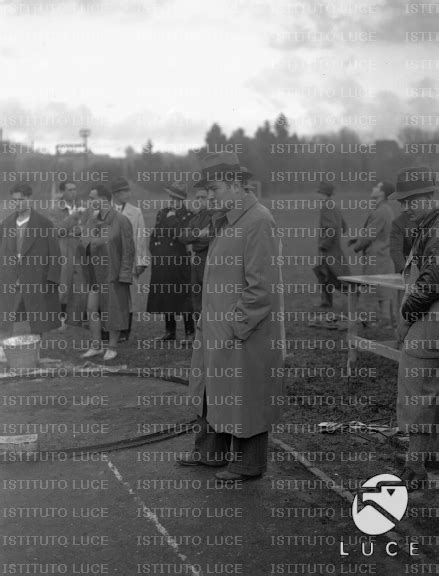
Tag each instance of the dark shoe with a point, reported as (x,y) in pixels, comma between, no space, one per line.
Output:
(414,481)
(226,477)
(166,337)
(123,336)
(431,464)
(194,459)
(189,459)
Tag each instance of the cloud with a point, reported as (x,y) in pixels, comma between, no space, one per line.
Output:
(332,23)
(57,123)
(86,8)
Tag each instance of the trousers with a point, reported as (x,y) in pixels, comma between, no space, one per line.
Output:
(243,455)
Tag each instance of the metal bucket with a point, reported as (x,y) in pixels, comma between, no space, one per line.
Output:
(22,351)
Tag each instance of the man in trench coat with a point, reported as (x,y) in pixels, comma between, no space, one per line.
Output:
(374,244)
(30,262)
(120,189)
(418,382)
(236,375)
(333,261)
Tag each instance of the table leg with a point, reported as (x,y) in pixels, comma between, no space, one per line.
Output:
(353,299)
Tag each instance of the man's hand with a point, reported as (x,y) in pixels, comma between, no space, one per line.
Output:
(401,332)
(139,271)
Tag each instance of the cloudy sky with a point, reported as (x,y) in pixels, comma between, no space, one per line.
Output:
(167,69)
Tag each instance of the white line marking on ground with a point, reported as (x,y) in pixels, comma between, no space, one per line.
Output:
(152,518)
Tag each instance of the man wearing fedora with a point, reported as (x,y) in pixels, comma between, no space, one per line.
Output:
(235,378)
(170,291)
(333,262)
(418,331)
(120,190)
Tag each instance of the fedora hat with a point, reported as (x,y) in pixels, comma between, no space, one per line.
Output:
(414,181)
(325,188)
(178,189)
(119,184)
(219,166)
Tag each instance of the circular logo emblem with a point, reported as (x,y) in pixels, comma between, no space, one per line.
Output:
(380,503)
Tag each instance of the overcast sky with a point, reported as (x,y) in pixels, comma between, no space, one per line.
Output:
(167,69)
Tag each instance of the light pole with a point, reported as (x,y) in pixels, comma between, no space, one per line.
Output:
(84,133)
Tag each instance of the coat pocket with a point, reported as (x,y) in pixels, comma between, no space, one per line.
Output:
(422,339)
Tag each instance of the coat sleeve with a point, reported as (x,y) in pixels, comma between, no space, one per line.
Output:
(190,233)
(140,241)
(425,291)
(128,251)
(328,224)
(255,300)
(397,245)
(54,255)
(375,223)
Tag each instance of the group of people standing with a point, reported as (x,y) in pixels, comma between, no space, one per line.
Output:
(89,255)
(382,245)
(236,376)
(408,245)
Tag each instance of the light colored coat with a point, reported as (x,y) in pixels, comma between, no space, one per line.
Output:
(376,242)
(135,216)
(238,350)
(332,225)
(375,245)
(68,227)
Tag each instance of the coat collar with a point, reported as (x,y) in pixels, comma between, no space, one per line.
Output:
(235,213)
(109,215)
(429,218)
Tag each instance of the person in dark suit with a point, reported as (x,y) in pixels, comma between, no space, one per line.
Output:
(333,261)
(30,260)
(402,236)
(170,290)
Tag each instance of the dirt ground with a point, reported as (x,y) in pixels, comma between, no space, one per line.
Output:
(318,390)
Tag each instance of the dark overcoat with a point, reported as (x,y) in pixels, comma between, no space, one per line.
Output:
(36,274)
(170,288)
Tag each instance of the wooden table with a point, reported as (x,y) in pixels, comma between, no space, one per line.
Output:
(388,348)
